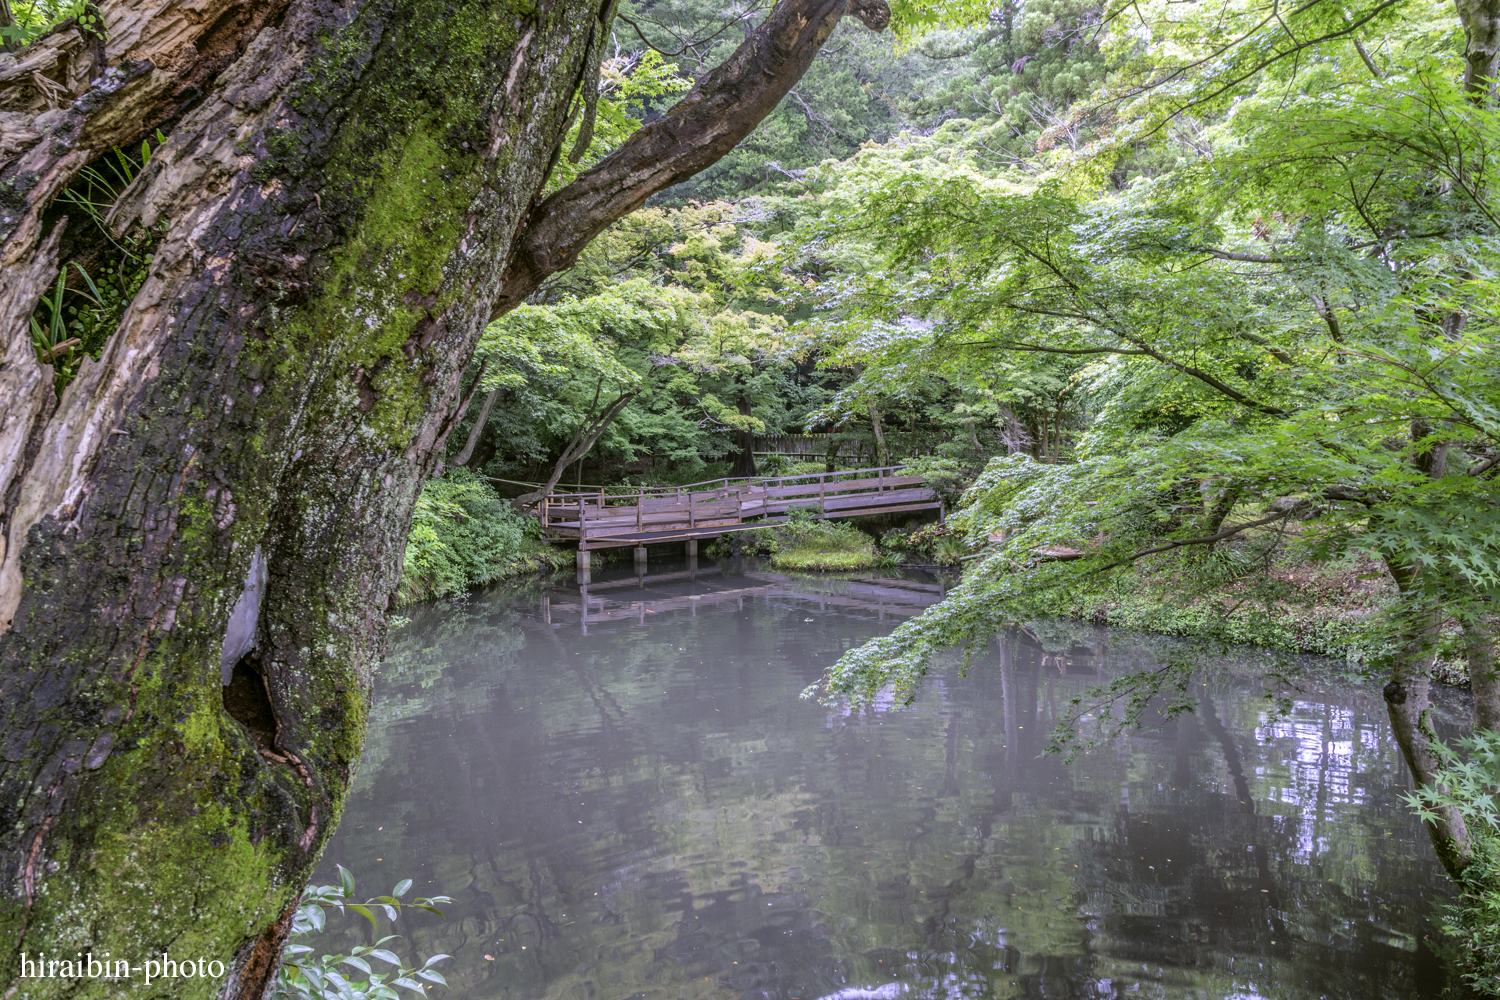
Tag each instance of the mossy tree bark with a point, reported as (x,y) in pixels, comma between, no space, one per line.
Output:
(1408,698)
(199,538)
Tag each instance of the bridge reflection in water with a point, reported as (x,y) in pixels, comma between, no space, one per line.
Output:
(640,598)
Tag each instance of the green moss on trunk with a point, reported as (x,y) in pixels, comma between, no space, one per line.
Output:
(317,316)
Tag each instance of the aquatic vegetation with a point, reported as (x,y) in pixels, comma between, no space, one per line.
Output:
(804,542)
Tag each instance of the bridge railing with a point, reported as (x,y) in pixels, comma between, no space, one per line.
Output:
(714,499)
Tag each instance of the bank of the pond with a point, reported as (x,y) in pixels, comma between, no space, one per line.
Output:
(1304,610)
(1327,615)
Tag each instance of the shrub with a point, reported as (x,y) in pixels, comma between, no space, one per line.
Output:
(948,551)
(807,543)
(463,535)
(946,477)
(921,544)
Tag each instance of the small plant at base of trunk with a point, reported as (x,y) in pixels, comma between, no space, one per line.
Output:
(329,977)
(1472,786)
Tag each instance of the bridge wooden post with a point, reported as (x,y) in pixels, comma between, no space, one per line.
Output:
(583,538)
(640,509)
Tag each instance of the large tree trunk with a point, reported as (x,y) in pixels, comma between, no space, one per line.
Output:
(338,212)
(198,540)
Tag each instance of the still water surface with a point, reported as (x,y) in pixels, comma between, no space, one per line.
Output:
(634,803)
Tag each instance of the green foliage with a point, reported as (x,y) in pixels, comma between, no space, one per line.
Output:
(1470,782)
(805,542)
(947,477)
(915,544)
(949,551)
(1473,922)
(627,82)
(305,975)
(31,19)
(669,308)
(464,536)
(1219,395)
(76,320)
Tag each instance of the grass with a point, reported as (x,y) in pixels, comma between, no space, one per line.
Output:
(806,543)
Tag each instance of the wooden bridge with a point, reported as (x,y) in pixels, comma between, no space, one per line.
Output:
(600,520)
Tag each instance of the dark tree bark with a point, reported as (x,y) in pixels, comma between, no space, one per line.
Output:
(589,431)
(480,423)
(1408,702)
(199,538)
(881,457)
(1484,674)
(744,446)
(1407,694)
(723,108)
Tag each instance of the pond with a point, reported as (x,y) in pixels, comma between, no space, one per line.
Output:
(625,796)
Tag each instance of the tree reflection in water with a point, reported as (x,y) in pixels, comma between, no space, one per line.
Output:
(646,809)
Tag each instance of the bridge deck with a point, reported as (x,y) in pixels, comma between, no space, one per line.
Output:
(706,510)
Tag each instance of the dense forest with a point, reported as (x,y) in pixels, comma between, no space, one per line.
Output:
(1186,311)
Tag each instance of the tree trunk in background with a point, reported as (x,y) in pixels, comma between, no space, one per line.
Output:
(480,422)
(1481,21)
(198,540)
(880,453)
(744,443)
(588,432)
(1484,676)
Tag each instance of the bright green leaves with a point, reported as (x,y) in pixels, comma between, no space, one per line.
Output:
(1174,62)
(626,83)
(1257,346)
(462,536)
(305,975)
(34,18)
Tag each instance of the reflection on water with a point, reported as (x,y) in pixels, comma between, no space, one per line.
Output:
(637,805)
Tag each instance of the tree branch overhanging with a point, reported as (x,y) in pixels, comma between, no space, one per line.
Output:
(722,108)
